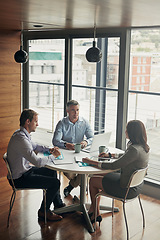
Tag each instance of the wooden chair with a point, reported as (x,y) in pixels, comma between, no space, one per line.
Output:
(136,179)
(13,196)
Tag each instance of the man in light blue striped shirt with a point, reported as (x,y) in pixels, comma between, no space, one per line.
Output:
(69,131)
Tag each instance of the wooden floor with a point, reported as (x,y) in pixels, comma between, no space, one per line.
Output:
(24,223)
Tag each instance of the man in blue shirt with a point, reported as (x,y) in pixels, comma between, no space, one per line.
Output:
(27,167)
(69,131)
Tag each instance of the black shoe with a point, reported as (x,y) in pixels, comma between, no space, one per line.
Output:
(98,219)
(60,205)
(67,190)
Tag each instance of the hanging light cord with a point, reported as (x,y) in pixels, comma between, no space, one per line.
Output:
(94,42)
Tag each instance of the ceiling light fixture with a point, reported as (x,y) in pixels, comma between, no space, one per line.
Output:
(94,54)
(21,56)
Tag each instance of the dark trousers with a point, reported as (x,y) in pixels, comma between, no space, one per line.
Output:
(42,178)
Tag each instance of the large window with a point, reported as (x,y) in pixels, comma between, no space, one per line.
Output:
(95,85)
(144,96)
(110,93)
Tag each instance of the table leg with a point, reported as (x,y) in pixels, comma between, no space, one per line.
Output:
(102,207)
(88,221)
(80,206)
(82,203)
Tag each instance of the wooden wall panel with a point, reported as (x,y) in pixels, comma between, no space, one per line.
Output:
(10,91)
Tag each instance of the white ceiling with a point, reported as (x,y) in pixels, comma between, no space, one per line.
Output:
(66,14)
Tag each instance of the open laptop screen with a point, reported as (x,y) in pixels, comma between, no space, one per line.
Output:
(98,140)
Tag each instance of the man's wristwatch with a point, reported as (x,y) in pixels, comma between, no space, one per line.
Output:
(64,144)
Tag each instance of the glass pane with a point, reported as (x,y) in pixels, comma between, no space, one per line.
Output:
(113,62)
(84,72)
(46,64)
(47,100)
(144,107)
(145,76)
(90,110)
(145,60)
(97,105)
(46,60)
(86,99)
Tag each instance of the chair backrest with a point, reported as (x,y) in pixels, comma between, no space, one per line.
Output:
(9,171)
(138,177)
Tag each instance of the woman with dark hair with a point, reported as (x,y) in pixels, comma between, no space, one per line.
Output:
(134,158)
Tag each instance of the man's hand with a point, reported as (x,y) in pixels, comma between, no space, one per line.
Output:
(84,144)
(70,146)
(55,152)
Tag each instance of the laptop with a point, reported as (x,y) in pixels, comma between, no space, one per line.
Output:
(98,140)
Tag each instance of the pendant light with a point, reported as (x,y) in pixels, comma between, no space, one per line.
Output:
(21,56)
(94,54)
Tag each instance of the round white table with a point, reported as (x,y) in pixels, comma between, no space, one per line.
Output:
(69,165)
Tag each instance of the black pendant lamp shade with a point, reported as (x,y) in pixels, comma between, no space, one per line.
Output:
(21,56)
(94,54)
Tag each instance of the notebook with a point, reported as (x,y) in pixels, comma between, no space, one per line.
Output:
(98,140)
(60,159)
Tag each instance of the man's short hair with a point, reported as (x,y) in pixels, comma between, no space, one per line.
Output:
(27,114)
(71,102)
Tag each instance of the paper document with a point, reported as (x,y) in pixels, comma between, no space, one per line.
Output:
(62,162)
(48,153)
(99,158)
(78,159)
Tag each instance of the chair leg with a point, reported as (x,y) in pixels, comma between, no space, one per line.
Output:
(95,214)
(112,207)
(125,220)
(142,211)
(11,206)
(59,175)
(87,185)
(45,214)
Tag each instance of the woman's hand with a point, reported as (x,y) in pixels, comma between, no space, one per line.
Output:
(86,160)
(89,161)
(103,155)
